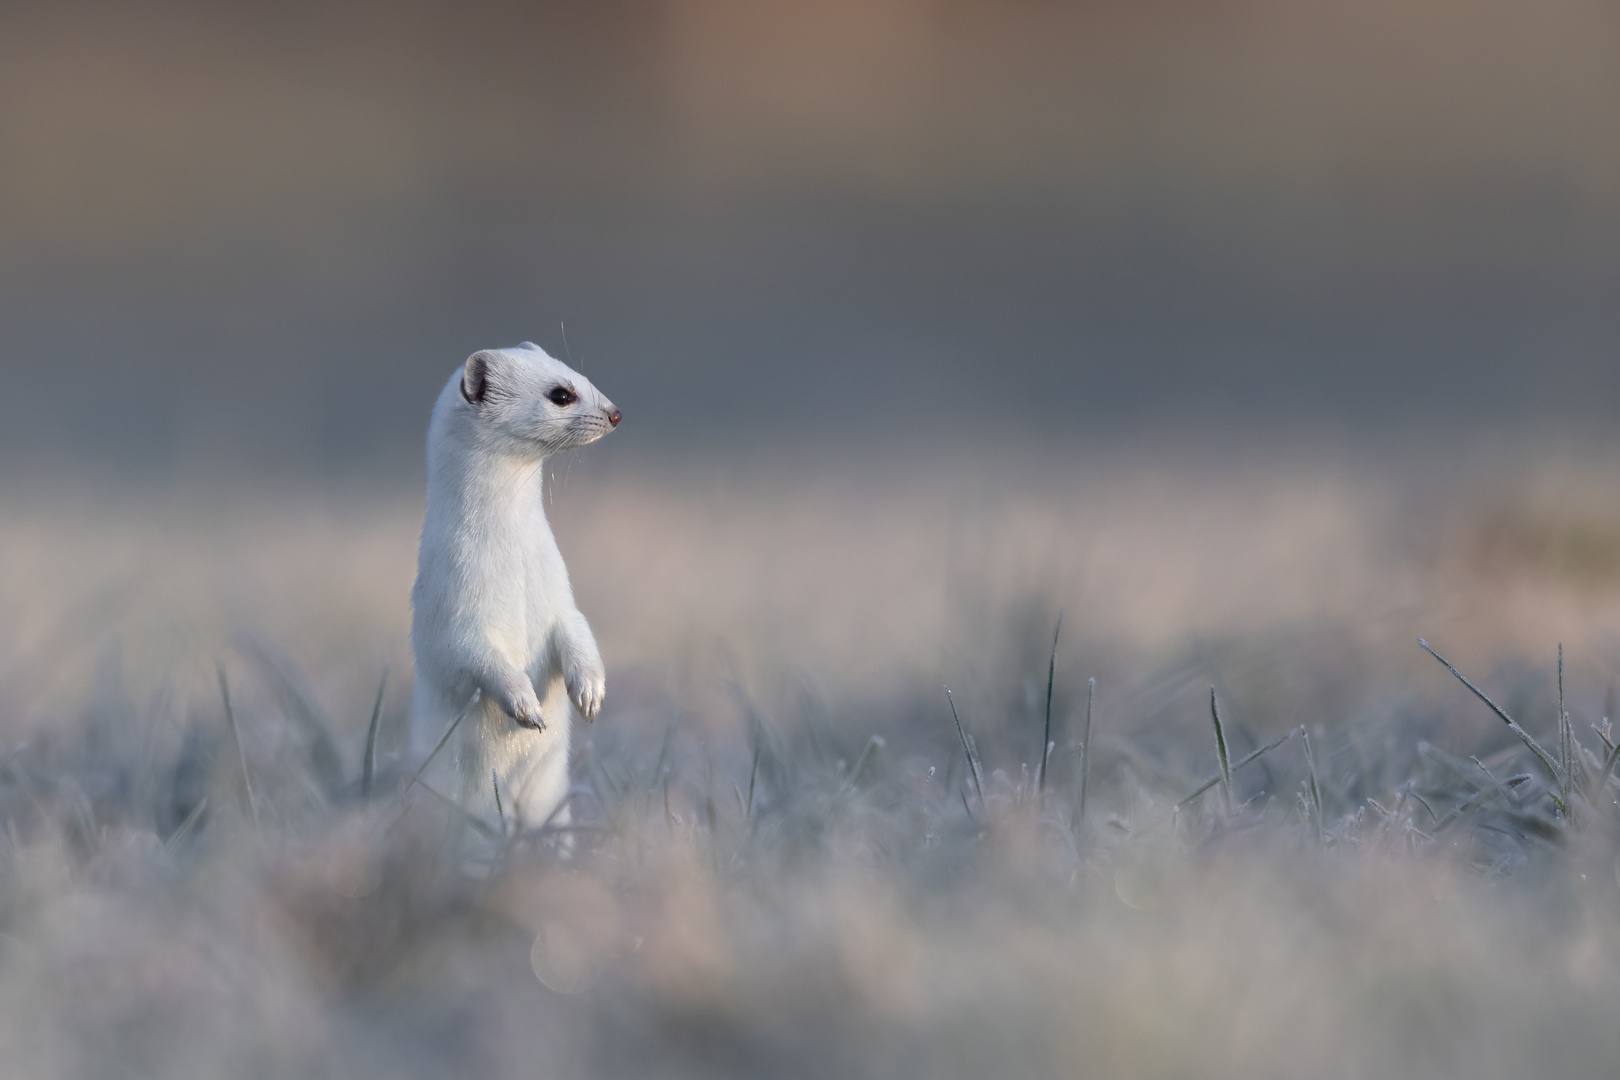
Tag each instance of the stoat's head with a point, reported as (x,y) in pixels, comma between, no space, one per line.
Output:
(524,402)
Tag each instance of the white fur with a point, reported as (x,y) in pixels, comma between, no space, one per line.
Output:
(493,610)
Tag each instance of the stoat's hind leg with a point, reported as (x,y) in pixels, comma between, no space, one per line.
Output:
(539,781)
(483,747)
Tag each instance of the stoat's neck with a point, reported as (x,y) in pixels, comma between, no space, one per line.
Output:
(501,488)
(472,483)
(469,482)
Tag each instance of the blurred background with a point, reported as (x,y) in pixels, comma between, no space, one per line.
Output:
(254,239)
(1263,335)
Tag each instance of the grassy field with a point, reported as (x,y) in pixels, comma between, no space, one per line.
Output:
(789,858)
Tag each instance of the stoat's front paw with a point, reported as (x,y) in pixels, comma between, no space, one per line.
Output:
(521,703)
(586,688)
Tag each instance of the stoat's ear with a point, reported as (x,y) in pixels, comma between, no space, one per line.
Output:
(475,378)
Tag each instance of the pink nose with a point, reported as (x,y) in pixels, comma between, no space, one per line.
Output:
(614,417)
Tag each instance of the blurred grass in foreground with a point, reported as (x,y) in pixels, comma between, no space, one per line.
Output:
(783,863)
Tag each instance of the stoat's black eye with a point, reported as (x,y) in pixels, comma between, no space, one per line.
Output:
(561,395)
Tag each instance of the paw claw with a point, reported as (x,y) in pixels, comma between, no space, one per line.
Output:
(524,709)
(586,692)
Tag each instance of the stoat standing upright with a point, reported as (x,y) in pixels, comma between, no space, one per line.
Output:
(492,608)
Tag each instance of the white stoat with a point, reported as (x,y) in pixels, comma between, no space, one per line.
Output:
(493,610)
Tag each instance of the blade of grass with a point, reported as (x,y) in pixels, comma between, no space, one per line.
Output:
(550,824)
(1603,735)
(709,811)
(368,765)
(1046,737)
(660,769)
(187,825)
(472,819)
(1316,790)
(19,778)
(1566,749)
(1608,766)
(967,747)
(284,676)
(1469,803)
(1085,755)
(1245,760)
(610,789)
(236,736)
(1220,751)
(1542,756)
(873,745)
(753,778)
(416,777)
